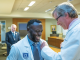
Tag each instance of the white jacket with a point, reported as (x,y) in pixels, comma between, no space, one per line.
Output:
(70,47)
(21,50)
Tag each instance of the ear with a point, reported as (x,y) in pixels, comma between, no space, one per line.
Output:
(66,15)
(28,29)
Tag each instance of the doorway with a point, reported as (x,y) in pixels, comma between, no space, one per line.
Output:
(2,31)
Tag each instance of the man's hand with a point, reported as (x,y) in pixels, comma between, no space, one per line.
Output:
(43,44)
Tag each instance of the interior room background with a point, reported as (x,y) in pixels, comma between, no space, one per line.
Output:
(48,22)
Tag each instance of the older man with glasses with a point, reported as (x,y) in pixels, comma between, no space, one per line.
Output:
(67,17)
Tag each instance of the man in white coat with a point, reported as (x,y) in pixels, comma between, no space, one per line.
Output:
(25,48)
(67,17)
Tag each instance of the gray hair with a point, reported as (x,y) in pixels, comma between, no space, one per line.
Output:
(66,7)
(13,25)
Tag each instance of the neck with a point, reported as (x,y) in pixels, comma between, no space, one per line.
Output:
(70,20)
(29,37)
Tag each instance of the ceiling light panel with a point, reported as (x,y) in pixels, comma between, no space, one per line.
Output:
(26,8)
(31,3)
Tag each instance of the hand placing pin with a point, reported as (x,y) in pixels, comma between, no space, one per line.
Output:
(43,44)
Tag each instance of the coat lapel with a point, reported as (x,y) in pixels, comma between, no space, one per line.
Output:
(11,34)
(27,46)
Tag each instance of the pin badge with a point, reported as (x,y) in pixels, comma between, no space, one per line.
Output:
(25,55)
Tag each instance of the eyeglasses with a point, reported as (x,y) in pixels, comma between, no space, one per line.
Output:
(58,17)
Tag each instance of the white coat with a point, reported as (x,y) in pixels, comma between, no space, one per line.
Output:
(21,50)
(70,47)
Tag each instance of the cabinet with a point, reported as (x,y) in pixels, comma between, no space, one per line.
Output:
(55,41)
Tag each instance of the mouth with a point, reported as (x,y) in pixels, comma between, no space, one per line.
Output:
(37,37)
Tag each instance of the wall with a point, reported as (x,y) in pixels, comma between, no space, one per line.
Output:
(59,29)
(48,23)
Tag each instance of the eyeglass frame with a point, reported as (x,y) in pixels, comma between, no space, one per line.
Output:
(58,17)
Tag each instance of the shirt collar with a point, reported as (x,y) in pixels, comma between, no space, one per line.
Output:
(72,22)
(13,32)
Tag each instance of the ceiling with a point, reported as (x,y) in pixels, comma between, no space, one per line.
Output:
(7,7)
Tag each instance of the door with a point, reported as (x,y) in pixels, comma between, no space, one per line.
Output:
(2,31)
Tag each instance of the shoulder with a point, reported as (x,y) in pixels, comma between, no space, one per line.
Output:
(41,40)
(8,32)
(17,32)
(76,28)
(19,43)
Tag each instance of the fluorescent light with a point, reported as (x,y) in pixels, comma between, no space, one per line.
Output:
(69,0)
(26,8)
(31,3)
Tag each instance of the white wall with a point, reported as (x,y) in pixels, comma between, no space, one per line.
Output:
(59,29)
(48,23)
(79,16)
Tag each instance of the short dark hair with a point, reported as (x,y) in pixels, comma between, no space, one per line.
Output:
(32,21)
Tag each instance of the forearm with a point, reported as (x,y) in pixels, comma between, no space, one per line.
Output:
(48,54)
(9,44)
